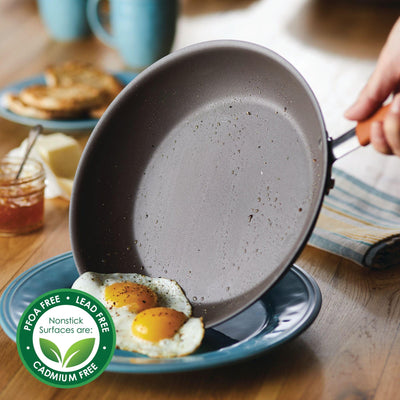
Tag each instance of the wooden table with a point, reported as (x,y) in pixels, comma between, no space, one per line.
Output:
(351,351)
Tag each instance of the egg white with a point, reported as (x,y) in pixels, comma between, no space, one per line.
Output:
(184,342)
(169,294)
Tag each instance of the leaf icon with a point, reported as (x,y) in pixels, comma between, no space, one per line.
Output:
(50,350)
(78,352)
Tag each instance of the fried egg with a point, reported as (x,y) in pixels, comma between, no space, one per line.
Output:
(152,316)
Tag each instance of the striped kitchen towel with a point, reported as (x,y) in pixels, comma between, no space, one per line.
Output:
(359,222)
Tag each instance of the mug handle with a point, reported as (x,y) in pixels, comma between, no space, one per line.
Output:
(98,29)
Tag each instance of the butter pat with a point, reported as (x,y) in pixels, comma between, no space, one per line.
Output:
(66,185)
(60,152)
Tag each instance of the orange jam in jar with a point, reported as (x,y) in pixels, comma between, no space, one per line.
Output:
(22,199)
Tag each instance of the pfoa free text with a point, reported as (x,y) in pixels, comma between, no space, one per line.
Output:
(54,300)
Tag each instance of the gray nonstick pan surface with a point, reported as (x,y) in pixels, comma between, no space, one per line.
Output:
(210,169)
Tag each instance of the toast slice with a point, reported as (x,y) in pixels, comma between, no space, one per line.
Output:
(72,90)
(78,97)
(14,103)
(72,73)
(98,111)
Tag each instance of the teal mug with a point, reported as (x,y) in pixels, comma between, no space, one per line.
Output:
(142,31)
(65,20)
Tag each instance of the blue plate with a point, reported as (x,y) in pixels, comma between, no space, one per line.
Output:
(64,125)
(287,309)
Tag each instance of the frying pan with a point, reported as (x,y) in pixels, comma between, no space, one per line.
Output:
(210,169)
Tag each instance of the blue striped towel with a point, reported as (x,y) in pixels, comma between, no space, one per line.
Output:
(359,222)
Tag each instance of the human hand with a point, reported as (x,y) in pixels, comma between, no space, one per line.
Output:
(385,80)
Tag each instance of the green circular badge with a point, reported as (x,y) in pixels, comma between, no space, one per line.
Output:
(66,338)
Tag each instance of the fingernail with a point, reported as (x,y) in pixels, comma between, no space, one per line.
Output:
(347,113)
(350,111)
(395,107)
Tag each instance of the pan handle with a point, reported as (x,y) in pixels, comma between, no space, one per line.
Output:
(363,127)
(359,135)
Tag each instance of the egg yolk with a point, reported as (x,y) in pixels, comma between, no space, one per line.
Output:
(157,323)
(137,297)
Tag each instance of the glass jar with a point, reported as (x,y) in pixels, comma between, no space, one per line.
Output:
(22,199)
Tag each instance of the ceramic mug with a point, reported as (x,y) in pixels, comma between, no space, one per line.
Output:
(65,20)
(142,31)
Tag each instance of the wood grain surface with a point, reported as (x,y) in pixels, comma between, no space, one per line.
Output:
(351,351)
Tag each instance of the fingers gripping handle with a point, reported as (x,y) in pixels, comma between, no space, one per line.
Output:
(363,127)
(359,135)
